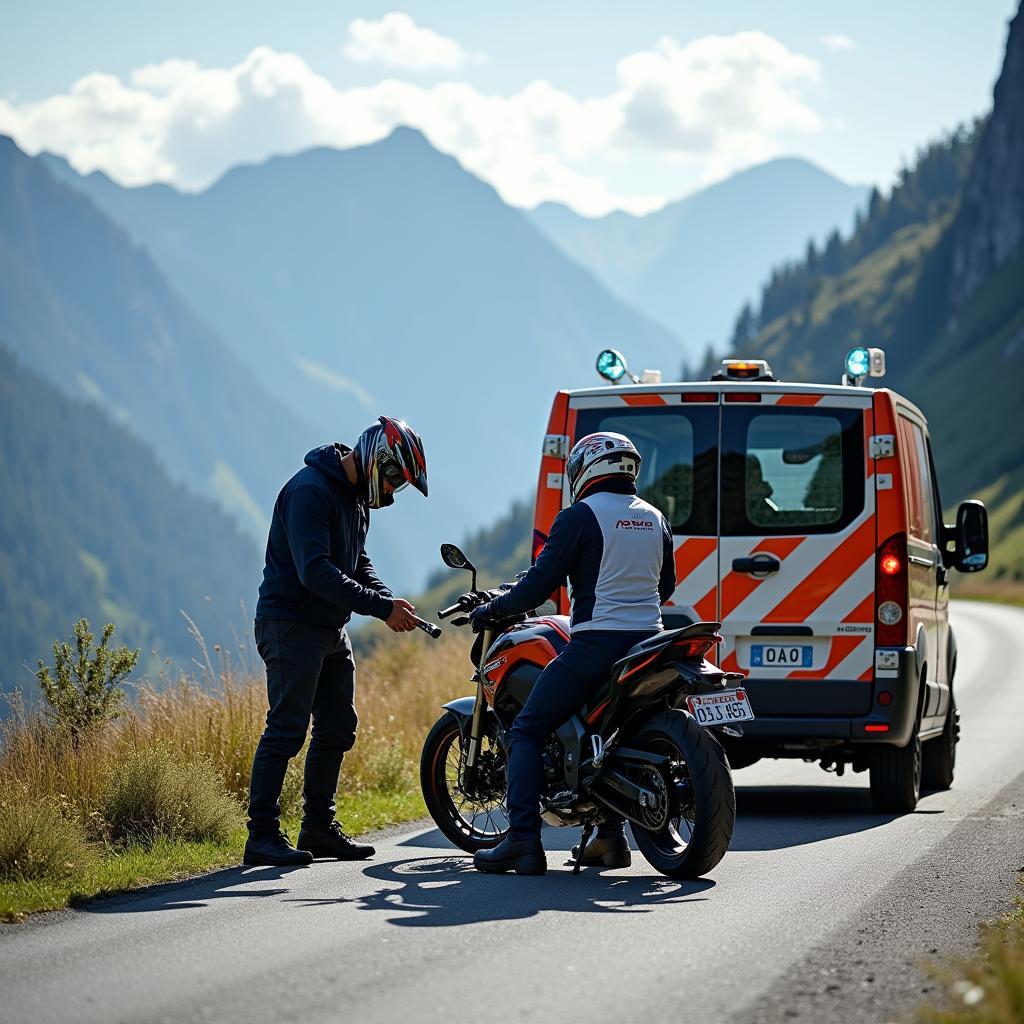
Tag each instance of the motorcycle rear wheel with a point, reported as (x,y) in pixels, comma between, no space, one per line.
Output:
(472,821)
(703,800)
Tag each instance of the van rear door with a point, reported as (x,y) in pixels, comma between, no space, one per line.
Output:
(797,550)
(677,437)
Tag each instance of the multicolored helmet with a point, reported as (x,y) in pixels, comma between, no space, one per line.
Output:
(391,452)
(600,455)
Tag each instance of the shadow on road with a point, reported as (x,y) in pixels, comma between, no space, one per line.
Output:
(189,895)
(778,817)
(445,891)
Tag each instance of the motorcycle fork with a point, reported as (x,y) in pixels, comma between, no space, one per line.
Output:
(476,726)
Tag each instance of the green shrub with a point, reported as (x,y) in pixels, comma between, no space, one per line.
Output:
(83,689)
(154,793)
(38,841)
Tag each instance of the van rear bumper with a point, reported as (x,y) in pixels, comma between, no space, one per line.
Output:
(790,711)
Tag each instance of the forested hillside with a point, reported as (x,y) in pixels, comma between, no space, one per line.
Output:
(934,274)
(91,525)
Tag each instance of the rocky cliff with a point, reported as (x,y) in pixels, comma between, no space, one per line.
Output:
(989,229)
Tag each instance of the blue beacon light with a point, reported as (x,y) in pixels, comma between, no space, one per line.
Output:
(611,365)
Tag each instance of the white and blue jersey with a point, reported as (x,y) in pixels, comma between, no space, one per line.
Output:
(615,549)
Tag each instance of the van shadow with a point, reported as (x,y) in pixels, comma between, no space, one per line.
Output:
(446,891)
(779,817)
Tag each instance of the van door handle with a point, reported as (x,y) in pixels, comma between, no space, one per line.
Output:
(757,565)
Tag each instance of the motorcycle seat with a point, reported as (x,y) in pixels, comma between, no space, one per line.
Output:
(659,641)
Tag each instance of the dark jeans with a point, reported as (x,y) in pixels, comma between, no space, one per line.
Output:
(560,691)
(310,672)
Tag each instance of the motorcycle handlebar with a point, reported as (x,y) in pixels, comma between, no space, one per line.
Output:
(428,627)
(450,610)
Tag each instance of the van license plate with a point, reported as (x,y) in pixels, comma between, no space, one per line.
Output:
(722,708)
(781,655)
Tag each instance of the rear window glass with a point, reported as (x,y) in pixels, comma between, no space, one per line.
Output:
(678,450)
(791,470)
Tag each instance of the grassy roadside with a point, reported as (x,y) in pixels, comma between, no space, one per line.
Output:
(1002,591)
(987,988)
(159,794)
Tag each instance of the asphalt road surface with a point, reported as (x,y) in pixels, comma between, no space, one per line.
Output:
(823,909)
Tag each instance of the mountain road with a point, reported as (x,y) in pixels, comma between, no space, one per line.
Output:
(821,909)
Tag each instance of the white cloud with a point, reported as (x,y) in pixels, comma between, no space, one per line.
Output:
(396,41)
(837,41)
(715,104)
(723,100)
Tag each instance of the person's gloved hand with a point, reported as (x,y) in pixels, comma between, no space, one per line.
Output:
(482,617)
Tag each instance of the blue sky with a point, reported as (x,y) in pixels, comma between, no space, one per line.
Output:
(600,105)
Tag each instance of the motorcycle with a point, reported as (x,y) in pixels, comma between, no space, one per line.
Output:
(643,747)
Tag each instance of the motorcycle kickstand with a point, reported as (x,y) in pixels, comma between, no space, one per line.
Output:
(588,831)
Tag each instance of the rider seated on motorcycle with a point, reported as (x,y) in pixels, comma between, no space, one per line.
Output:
(616,550)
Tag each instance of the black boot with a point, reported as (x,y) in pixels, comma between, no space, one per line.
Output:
(606,852)
(330,841)
(523,856)
(274,850)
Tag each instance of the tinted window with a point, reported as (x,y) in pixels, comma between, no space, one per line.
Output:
(791,470)
(679,452)
(918,482)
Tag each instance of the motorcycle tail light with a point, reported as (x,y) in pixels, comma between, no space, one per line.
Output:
(696,647)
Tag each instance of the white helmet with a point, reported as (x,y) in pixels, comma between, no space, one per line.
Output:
(600,455)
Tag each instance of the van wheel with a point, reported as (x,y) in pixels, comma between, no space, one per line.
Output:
(896,776)
(939,759)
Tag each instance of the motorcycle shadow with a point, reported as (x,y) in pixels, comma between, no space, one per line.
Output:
(445,890)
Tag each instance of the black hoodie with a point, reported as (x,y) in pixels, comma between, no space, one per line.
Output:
(317,570)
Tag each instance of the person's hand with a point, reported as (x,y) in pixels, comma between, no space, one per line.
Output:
(402,618)
(481,617)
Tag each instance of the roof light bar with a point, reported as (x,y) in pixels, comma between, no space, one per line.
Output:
(744,369)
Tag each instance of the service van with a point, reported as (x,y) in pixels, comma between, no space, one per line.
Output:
(807,521)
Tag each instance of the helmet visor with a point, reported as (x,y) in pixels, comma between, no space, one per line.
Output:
(392,474)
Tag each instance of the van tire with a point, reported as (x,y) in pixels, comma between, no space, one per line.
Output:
(938,763)
(896,776)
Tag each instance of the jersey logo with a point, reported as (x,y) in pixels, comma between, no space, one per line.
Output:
(634,524)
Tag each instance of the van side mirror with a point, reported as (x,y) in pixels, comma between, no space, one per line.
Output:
(971,537)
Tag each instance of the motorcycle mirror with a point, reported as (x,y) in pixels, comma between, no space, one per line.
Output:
(454,558)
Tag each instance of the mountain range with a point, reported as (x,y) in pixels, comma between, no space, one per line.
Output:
(693,263)
(91,311)
(386,279)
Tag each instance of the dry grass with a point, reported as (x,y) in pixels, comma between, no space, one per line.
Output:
(987,988)
(212,723)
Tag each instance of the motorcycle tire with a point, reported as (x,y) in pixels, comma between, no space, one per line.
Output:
(713,798)
(437,768)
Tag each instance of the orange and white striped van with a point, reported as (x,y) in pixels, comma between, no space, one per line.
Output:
(806,520)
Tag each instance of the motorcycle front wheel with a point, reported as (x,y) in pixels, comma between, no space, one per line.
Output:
(690,827)
(472,814)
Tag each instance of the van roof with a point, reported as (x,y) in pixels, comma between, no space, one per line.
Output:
(769,387)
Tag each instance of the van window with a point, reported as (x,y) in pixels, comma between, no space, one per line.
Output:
(917,484)
(787,470)
(679,453)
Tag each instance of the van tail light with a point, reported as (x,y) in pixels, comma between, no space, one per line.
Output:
(695,647)
(891,592)
(539,540)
